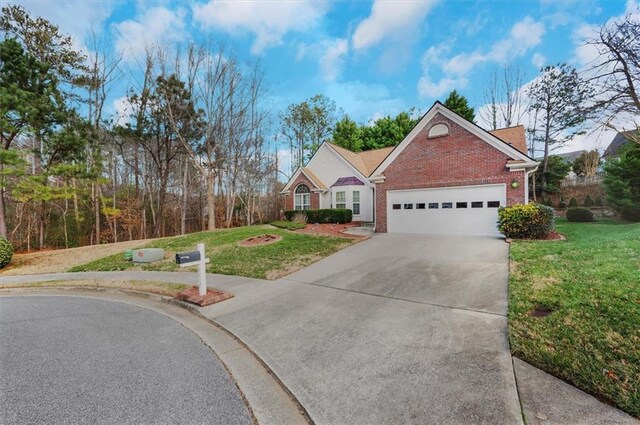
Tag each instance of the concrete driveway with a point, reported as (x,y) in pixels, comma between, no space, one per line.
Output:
(396,329)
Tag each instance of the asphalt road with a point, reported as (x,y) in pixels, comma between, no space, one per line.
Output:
(81,360)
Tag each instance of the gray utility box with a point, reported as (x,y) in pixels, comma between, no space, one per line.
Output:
(147,255)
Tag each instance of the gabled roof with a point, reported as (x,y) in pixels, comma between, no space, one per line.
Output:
(619,141)
(522,159)
(515,136)
(366,161)
(310,176)
(568,157)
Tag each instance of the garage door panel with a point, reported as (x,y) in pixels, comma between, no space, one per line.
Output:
(435,218)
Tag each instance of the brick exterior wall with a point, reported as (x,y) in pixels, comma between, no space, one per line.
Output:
(457,159)
(315,197)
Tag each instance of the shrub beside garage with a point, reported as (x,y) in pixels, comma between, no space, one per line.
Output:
(531,221)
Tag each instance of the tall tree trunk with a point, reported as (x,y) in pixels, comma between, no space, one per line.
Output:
(96,205)
(211,200)
(185,181)
(41,224)
(3,217)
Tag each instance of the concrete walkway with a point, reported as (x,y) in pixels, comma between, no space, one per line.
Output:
(396,329)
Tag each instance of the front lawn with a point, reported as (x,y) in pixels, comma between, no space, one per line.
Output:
(574,308)
(292,253)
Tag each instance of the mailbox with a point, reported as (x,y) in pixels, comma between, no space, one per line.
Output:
(187,257)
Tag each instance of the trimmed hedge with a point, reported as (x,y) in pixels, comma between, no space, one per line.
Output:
(631,213)
(579,214)
(573,202)
(6,252)
(288,225)
(335,215)
(531,221)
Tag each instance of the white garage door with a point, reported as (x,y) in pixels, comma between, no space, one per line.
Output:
(468,210)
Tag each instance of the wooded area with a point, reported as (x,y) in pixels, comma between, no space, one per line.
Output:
(189,153)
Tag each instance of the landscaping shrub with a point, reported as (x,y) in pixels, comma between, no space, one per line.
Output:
(631,213)
(531,221)
(562,203)
(6,252)
(579,214)
(598,202)
(588,202)
(573,203)
(289,225)
(336,215)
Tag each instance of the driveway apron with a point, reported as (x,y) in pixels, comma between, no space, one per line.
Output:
(396,329)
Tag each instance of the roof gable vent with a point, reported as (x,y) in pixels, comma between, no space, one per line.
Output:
(438,130)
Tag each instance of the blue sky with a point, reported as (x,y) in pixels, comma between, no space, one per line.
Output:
(372,58)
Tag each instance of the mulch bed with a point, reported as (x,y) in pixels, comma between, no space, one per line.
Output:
(260,240)
(212,296)
(331,229)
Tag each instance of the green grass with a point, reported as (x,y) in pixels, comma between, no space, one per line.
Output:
(591,285)
(289,225)
(293,252)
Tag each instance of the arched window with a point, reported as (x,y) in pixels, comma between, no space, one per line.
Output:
(438,130)
(302,198)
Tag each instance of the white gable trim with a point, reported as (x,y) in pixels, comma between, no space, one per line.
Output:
(470,127)
(287,187)
(342,158)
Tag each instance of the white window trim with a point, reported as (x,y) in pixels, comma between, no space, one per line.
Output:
(344,202)
(301,201)
(354,202)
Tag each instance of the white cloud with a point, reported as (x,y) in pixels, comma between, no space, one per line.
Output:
(538,60)
(154,26)
(77,19)
(269,21)
(428,88)
(123,110)
(390,19)
(523,36)
(329,53)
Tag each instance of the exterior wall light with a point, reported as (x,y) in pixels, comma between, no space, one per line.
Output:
(515,184)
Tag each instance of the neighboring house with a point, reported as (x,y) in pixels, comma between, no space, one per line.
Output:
(569,158)
(448,176)
(621,139)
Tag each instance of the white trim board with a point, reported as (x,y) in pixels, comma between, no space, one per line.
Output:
(457,119)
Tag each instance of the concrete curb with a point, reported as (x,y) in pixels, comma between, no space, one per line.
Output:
(268,400)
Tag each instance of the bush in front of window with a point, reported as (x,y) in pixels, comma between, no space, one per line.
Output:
(531,221)
(335,215)
(579,214)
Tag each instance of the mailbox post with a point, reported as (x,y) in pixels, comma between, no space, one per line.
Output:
(202,272)
(192,258)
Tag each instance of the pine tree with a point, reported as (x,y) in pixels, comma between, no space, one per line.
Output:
(460,105)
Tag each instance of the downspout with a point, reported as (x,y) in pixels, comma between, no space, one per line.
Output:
(526,183)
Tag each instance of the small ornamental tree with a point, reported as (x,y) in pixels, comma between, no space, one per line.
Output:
(573,202)
(588,202)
